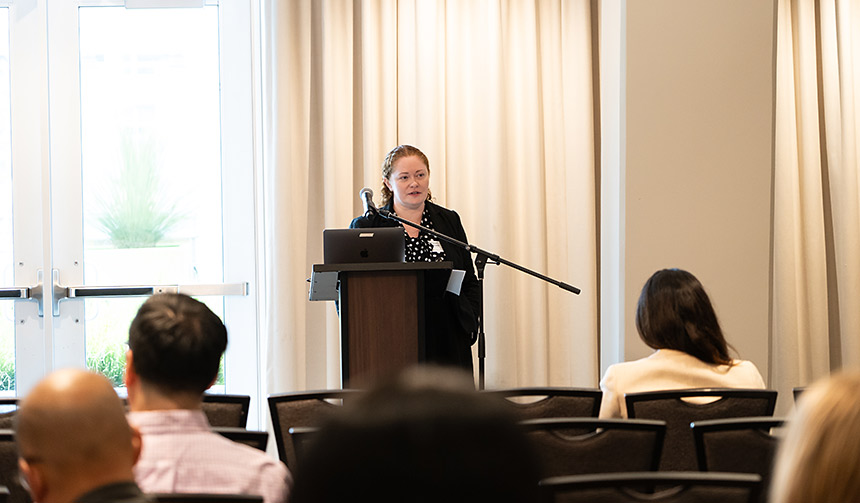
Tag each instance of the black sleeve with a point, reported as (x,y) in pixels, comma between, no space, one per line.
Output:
(468,303)
(360,222)
(363,222)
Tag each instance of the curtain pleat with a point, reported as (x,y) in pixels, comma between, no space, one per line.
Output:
(816,210)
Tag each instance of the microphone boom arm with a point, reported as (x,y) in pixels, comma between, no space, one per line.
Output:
(489,258)
(482,258)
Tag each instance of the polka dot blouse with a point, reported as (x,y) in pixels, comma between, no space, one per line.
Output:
(424,248)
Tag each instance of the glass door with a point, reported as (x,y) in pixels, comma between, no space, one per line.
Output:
(150,183)
(7,279)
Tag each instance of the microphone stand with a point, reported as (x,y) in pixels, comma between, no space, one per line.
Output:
(482,258)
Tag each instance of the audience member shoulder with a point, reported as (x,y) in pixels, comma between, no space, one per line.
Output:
(751,371)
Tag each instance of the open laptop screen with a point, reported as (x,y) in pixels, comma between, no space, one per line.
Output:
(371,244)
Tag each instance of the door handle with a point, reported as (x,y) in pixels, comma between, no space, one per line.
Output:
(15,292)
(76,292)
(34,292)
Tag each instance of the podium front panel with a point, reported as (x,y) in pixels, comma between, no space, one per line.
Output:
(382,323)
(382,316)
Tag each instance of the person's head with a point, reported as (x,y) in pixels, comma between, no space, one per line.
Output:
(175,346)
(674,312)
(73,437)
(819,458)
(426,436)
(406,177)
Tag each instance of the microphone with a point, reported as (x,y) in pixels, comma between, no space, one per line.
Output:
(366,196)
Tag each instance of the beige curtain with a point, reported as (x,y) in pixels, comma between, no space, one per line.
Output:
(816,302)
(500,96)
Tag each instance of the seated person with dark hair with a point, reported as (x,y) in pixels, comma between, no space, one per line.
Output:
(427,436)
(675,317)
(175,347)
(74,442)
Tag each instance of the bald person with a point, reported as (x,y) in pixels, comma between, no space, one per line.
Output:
(74,442)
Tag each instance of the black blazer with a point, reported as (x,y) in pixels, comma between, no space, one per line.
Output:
(451,319)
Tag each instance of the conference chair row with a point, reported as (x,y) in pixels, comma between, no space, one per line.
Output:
(221,410)
(296,415)
(653,487)
(676,487)
(575,446)
(593,460)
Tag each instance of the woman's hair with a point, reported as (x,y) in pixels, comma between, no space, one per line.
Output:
(396,153)
(819,458)
(674,312)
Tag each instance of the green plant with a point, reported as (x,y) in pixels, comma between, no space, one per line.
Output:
(106,356)
(110,364)
(7,357)
(7,373)
(220,380)
(134,213)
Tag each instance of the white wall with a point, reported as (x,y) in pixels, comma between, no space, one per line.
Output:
(695,128)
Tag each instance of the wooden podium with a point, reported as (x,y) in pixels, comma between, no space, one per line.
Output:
(382,325)
(382,316)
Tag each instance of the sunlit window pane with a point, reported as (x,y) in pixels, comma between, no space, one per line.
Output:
(151,163)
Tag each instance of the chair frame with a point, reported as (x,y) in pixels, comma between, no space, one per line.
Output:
(678,434)
(592,393)
(797,391)
(714,479)
(299,433)
(9,402)
(702,428)
(243,435)
(204,498)
(631,399)
(21,493)
(279,398)
(656,426)
(243,400)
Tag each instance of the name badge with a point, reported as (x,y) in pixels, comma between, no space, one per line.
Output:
(455,281)
(437,246)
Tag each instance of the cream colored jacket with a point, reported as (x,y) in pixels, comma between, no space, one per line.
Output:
(668,369)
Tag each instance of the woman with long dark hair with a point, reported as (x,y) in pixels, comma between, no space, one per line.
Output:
(675,317)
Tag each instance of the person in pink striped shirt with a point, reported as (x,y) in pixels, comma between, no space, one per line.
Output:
(175,347)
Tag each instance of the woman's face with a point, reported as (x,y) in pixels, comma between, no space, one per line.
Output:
(409,181)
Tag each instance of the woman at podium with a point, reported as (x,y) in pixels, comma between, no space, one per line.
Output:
(451,319)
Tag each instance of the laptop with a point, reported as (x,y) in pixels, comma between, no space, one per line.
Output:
(371,244)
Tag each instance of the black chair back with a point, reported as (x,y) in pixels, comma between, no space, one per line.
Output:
(255,439)
(546,402)
(8,407)
(573,446)
(9,473)
(742,445)
(679,450)
(226,410)
(302,437)
(204,498)
(302,409)
(653,487)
